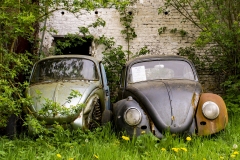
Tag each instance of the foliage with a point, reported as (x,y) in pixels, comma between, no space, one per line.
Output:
(73,40)
(104,144)
(181,32)
(17,22)
(19,44)
(11,91)
(219,32)
(232,98)
(126,18)
(51,108)
(201,62)
(162,30)
(115,57)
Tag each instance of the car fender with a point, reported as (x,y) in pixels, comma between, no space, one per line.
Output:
(206,126)
(85,114)
(119,109)
(96,96)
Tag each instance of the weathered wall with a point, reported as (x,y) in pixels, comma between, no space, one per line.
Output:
(146,22)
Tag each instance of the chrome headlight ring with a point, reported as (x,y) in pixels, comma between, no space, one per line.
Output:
(210,110)
(132,116)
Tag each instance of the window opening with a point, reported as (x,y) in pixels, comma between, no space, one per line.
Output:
(73,46)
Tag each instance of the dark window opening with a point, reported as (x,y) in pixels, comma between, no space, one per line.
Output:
(76,46)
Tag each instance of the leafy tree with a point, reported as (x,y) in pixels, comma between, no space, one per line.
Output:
(219,24)
(19,26)
(17,23)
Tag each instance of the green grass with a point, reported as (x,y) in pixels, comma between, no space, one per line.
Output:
(105,145)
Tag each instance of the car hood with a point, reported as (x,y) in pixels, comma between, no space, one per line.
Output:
(170,104)
(59,92)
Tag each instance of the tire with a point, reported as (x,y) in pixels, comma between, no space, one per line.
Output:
(96,116)
(106,116)
(11,129)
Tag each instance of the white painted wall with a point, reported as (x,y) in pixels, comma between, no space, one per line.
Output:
(146,22)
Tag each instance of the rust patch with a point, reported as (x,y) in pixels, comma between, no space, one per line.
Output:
(206,126)
(195,99)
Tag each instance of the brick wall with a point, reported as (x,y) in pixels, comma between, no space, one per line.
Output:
(146,22)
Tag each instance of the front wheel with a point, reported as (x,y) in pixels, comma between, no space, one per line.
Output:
(96,116)
(106,116)
(11,128)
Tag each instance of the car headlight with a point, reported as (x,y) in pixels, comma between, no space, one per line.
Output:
(210,110)
(132,116)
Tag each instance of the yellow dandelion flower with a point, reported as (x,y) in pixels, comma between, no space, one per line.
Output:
(125,138)
(233,156)
(96,156)
(163,149)
(175,149)
(59,156)
(184,149)
(188,138)
(235,152)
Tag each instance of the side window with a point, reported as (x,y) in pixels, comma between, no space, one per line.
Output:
(104,76)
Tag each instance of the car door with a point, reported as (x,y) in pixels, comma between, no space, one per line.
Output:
(105,87)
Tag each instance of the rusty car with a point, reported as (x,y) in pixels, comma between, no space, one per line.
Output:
(160,93)
(54,80)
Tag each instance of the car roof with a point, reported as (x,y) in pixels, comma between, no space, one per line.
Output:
(156,57)
(72,56)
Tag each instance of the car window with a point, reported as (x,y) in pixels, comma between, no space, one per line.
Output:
(64,69)
(152,70)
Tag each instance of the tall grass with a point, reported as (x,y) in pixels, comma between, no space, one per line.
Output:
(104,144)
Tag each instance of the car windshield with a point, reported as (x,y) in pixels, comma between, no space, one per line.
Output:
(51,70)
(152,70)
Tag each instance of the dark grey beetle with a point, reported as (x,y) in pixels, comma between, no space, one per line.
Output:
(159,93)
